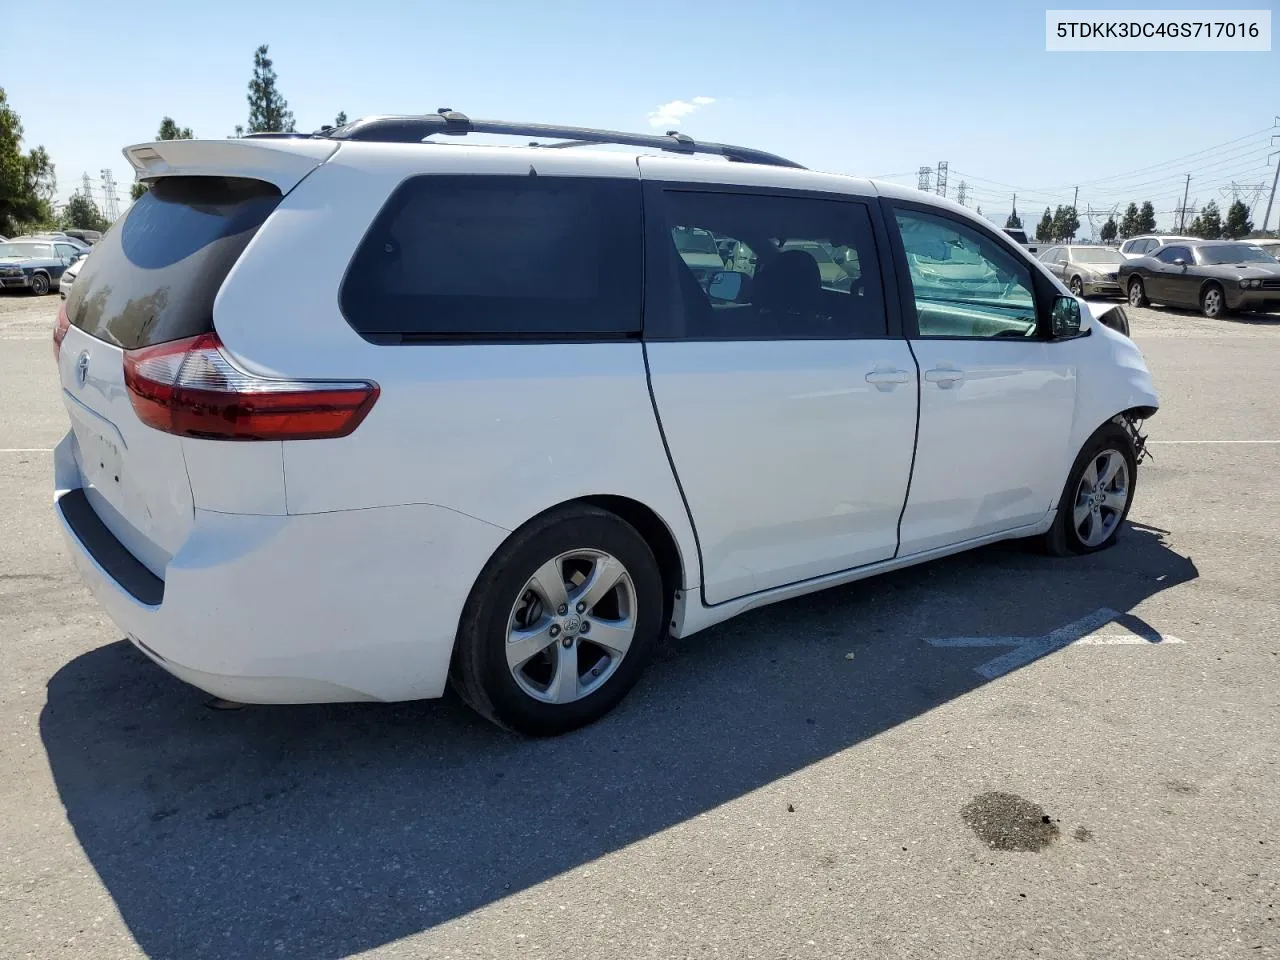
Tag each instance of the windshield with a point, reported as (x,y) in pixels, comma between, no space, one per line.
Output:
(694,241)
(25,250)
(1097,255)
(1233,253)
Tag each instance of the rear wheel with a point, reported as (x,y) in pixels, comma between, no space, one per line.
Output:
(1137,293)
(1097,496)
(1213,303)
(1077,286)
(40,284)
(560,624)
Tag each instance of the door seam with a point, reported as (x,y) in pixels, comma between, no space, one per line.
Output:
(915,446)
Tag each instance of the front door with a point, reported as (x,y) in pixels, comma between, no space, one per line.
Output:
(788,409)
(996,397)
(1166,281)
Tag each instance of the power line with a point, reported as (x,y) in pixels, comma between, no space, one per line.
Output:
(1166,163)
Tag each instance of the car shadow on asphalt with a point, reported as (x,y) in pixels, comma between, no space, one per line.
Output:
(321,831)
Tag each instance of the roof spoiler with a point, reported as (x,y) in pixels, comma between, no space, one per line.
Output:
(282,162)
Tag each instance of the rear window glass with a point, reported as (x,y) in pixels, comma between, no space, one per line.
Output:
(496,257)
(154,275)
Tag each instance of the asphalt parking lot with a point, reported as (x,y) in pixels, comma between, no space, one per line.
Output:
(837,776)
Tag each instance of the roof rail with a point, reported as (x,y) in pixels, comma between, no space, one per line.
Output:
(415,129)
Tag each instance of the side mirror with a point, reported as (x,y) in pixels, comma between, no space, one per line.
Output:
(1179,262)
(726,286)
(1066,321)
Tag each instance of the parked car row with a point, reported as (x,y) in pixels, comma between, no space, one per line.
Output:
(38,264)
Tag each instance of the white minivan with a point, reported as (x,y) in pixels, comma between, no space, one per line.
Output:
(358,413)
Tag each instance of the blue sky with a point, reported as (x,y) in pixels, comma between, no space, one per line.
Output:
(872,89)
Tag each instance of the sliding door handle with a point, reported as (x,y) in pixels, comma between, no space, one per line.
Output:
(889,377)
(944,377)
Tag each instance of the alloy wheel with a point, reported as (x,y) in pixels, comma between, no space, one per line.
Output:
(571,626)
(1101,497)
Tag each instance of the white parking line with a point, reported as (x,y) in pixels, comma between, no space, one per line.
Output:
(26,449)
(1026,649)
(1212,441)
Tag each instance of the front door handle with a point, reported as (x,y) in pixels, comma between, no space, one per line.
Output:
(944,377)
(885,379)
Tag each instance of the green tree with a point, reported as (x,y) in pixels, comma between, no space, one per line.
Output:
(1129,222)
(1147,218)
(1208,224)
(340,119)
(169,130)
(268,110)
(27,181)
(1238,223)
(1044,229)
(83,214)
(1014,222)
(1109,230)
(1065,223)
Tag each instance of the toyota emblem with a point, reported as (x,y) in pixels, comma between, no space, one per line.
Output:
(82,368)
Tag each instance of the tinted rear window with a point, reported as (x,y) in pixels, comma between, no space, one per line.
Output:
(498,257)
(153,276)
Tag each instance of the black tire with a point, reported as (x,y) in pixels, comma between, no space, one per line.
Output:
(1137,293)
(1076,286)
(1063,539)
(1213,301)
(39,284)
(479,671)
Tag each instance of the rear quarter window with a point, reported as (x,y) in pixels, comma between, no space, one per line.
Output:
(154,275)
(498,258)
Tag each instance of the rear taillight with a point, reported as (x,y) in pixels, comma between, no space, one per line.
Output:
(190,387)
(60,330)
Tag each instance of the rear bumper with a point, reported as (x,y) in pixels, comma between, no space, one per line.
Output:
(348,605)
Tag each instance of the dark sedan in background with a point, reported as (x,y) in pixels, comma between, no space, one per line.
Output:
(1215,276)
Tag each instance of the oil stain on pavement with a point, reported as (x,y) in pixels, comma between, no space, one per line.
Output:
(1005,821)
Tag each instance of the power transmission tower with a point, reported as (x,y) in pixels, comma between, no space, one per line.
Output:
(961,190)
(942,178)
(88,188)
(924,177)
(1274,180)
(110,203)
(1093,215)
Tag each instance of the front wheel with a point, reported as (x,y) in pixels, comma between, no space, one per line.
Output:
(1213,303)
(1137,293)
(39,284)
(1098,494)
(1076,286)
(560,623)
